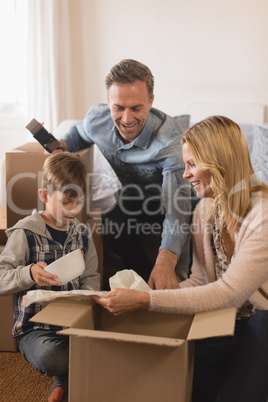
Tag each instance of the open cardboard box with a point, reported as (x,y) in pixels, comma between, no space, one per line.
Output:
(143,356)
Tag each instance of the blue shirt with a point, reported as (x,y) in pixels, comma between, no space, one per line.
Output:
(152,163)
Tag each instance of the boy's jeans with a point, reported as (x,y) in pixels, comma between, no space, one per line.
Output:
(48,353)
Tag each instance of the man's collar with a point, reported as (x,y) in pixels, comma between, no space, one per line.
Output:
(143,139)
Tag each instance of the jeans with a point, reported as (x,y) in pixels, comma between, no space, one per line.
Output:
(126,224)
(48,353)
(234,368)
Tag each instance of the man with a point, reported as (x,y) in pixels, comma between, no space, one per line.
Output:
(142,144)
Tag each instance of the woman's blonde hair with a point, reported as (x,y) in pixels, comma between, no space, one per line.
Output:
(217,144)
(65,172)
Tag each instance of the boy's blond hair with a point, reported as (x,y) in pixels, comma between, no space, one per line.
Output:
(65,172)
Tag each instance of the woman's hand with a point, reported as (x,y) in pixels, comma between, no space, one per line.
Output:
(123,301)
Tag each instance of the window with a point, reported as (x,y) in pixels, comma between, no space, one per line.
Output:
(13,34)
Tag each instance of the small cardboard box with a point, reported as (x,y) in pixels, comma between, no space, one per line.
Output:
(143,356)
(3,226)
(23,178)
(7,342)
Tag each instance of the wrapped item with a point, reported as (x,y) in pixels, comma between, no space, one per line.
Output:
(128,279)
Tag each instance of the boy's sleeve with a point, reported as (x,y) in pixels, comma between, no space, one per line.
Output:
(14,268)
(90,279)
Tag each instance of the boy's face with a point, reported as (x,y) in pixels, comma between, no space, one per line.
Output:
(61,210)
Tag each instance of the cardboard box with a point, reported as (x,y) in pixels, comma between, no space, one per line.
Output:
(23,178)
(7,303)
(3,226)
(7,342)
(142,356)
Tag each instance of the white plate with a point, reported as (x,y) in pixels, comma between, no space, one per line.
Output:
(68,267)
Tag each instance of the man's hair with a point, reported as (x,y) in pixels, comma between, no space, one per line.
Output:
(129,71)
(65,172)
(217,144)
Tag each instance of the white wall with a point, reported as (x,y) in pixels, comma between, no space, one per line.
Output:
(209,50)
(199,51)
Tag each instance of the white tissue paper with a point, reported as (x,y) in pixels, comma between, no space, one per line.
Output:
(44,297)
(128,279)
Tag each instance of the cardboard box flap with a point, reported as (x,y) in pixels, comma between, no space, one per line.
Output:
(122,337)
(67,313)
(213,323)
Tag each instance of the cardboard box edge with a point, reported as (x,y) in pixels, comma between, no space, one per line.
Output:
(122,337)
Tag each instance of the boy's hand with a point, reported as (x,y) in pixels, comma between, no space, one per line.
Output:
(42,277)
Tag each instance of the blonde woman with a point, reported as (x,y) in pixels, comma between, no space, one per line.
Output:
(230,265)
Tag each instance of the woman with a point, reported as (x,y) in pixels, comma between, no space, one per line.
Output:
(230,265)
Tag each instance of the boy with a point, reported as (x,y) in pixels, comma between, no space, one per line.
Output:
(36,241)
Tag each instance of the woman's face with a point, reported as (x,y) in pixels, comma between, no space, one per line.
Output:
(200,179)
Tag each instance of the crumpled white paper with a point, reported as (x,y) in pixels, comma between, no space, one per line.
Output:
(44,297)
(128,279)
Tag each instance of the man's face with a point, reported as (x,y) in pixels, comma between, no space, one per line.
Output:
(129,105)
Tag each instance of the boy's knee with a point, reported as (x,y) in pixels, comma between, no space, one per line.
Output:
(54,359)
(53,356)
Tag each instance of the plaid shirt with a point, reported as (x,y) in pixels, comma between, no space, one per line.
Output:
(44,248)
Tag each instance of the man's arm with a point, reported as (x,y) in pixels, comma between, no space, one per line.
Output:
(163,275)
(77,137)
(176,230)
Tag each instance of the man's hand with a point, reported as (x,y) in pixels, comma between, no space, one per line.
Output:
(163,274)
(42,277)
(61,148)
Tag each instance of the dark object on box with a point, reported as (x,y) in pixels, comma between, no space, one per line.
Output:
(47,140)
